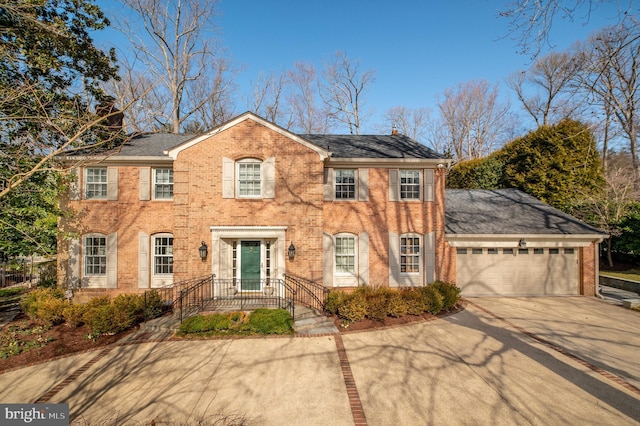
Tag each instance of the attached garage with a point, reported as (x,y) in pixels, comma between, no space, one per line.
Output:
(509,271)
(508,243)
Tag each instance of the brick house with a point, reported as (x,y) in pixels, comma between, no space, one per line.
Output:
(339,210)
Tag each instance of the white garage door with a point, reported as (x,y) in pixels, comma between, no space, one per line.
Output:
(517,272)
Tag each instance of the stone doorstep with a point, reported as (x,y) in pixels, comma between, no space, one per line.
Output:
(631,303)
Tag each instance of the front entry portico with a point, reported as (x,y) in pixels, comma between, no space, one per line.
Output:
(249,255)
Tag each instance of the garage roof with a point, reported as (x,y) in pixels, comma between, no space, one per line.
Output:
(506,211)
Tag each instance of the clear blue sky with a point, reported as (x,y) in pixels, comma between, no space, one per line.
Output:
(417,48)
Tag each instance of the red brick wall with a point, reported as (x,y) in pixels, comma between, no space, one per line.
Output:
(198,202)
(128,216)
(588,270)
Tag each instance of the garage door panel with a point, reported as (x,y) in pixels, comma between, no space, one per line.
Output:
(517,273)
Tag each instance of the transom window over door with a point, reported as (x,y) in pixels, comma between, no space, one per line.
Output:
(345,255)
(249,178)
(345,184)
(410,184)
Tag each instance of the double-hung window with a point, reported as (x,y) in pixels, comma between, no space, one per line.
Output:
(410,184)
(163,184)
(345,184)
(95,183)
(249,179)
(409,254)
(345,247)
(95,255)
(163,255)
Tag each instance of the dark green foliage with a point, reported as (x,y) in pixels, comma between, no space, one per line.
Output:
(629,241)
(557,164)
(481,173)
(334,300)
(415,302)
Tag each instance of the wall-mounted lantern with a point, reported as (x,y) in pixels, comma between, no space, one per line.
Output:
(522,243)
(203,250)
(292,251)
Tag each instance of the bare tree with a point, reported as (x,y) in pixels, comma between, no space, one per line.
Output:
(531,22)
(343,91)
(307,113)
(267,96)
(474,121)
(611,76)
(414,123)
(177,51)
(549,78)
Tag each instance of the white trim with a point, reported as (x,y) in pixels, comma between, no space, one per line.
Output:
(277,233)
(512,240)
(173,152)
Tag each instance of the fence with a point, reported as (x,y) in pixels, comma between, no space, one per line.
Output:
(27,272)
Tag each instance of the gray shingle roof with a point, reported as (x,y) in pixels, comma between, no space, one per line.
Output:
(152,144)
(506,211)
(372,146)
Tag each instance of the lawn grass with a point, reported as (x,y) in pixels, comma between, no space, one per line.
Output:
(631,274)
(260,321)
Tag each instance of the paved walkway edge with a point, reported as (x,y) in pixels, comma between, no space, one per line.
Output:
(352,390)
(604,373)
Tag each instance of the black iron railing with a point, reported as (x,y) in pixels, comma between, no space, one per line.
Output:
(307,293)
(196,294)
(253,294)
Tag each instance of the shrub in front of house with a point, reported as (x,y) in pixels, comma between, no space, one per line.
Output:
(44,305)
(260,321)
(379,303)
(450,294)
(73,314)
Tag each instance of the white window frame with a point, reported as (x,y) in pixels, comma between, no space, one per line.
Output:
(412,184)
(354,255)
(353,185)
(157,184)
(96,184)
(156,256)
(101,254)
(405,254)
(253,162)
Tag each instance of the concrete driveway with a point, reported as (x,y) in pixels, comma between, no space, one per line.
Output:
(563,360)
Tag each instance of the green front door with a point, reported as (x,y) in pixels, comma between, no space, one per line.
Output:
(250,265)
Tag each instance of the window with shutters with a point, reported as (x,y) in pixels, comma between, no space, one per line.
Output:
(163,254)
(345,181)
(95,254)
(345,252)
(410,254)
(95,183)
(162,184)
(249,178)
(410,184)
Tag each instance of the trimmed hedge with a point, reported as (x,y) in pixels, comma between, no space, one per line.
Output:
(379,303)
(102,315)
